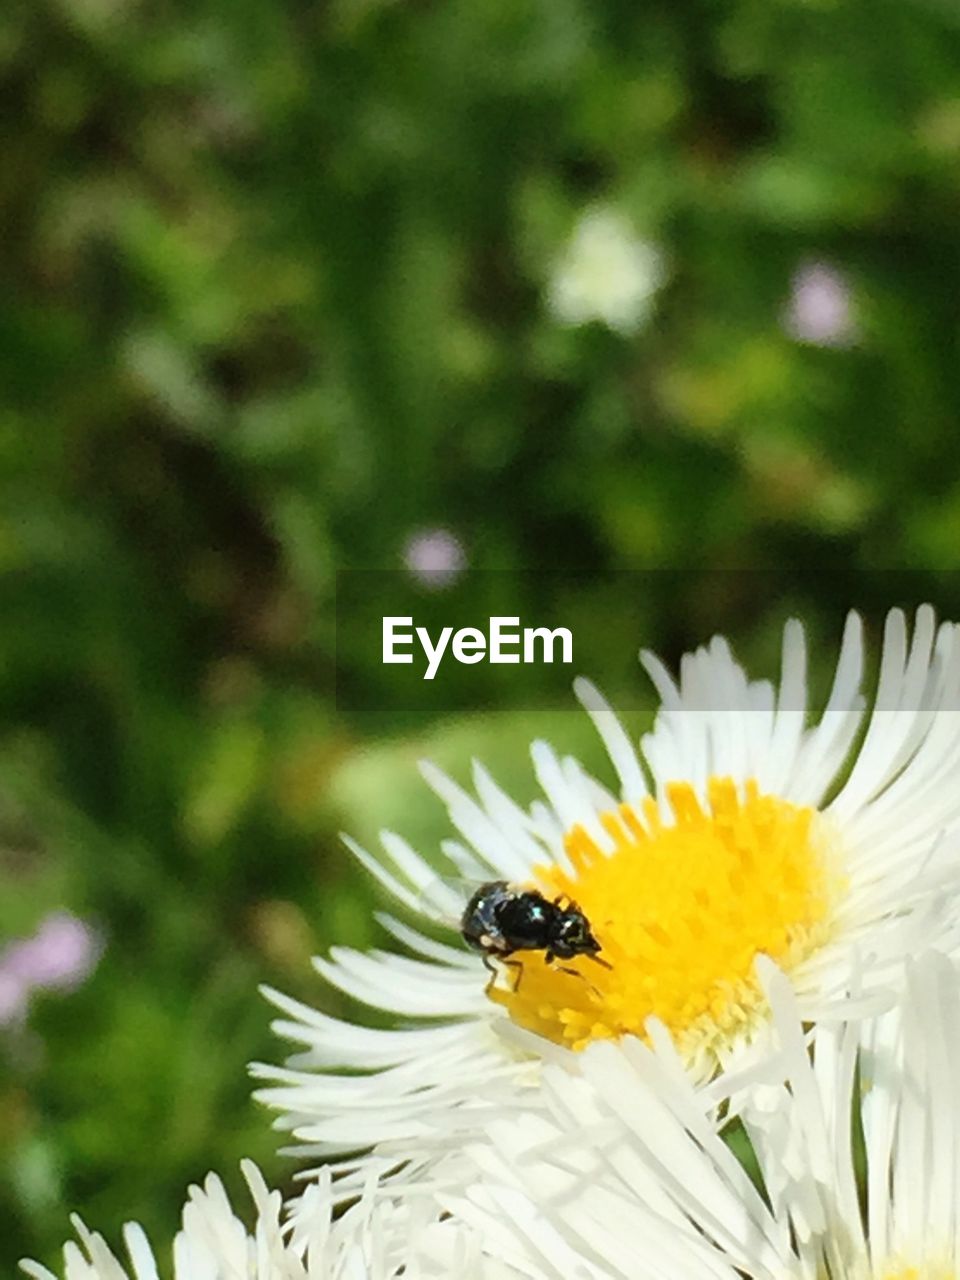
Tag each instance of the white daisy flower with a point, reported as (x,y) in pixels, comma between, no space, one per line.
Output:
(737,831)
(374,1240)
(626,1176)
(606,273)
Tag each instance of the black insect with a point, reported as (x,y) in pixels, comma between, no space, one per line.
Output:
(500,919)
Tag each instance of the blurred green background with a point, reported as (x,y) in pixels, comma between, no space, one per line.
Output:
(286,287)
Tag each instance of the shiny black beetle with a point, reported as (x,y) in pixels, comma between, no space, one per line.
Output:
(500,919)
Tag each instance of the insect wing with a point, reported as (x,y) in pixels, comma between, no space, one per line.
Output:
(444,899)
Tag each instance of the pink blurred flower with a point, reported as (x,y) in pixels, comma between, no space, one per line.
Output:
(61,954)
(13,999)
(435,557)
(820,310)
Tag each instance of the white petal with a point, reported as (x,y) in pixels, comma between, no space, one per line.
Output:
(622,755)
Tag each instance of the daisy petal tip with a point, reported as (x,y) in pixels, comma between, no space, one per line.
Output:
(433,776)
(253,1178)
(769,974)
(657,1032)
(894,624)
(793,631)
(586,692)
(138,1247)
(273,996)
(853,623)
(353,845)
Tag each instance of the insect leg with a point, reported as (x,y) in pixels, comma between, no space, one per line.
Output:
(550,958)
(518,966)
(492,969)
(495,972)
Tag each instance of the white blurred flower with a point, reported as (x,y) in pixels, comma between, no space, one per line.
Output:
(606,273)
(820,310)
(625,1176)
(739,830)
(434,557)
(374,1240)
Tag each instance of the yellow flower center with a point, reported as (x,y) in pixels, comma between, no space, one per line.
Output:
(680,910)
(923,1272)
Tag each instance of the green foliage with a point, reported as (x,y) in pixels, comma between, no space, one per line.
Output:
(274,281)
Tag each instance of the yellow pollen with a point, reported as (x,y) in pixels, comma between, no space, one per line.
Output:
(681,909)
(925,1271)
